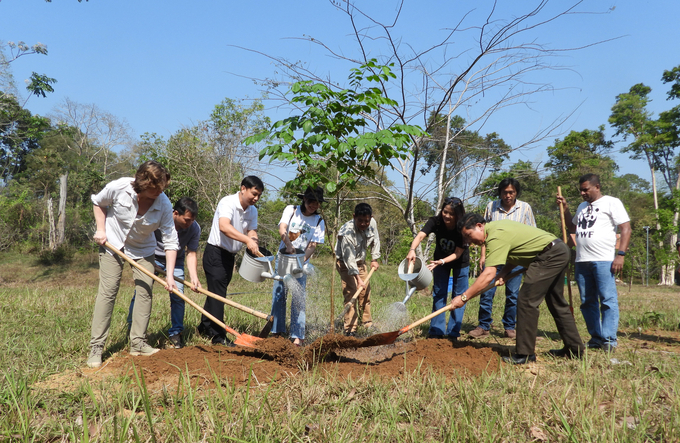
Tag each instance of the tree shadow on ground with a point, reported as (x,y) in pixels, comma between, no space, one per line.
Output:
(669,340)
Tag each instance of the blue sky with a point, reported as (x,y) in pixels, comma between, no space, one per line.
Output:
(161,65)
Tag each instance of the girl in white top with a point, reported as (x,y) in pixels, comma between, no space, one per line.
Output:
(127,212)
(300,228)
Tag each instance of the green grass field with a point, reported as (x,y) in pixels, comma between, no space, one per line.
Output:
(45,315)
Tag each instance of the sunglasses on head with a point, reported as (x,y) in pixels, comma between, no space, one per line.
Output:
(453,201)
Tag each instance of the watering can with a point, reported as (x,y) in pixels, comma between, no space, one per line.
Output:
(291,264)
(417,277)
(258,268)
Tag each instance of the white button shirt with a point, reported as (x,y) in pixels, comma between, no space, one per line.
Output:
(125,228)
(243,220)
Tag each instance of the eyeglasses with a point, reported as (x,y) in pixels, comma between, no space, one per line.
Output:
(453,201)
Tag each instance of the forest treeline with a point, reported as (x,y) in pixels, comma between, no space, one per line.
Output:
(50,165)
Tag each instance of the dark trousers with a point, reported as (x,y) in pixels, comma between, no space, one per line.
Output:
(544,279)
(218,265)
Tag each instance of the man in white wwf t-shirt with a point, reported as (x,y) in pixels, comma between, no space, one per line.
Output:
(597,260)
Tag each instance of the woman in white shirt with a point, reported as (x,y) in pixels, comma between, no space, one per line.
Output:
(127,212)
(300,228)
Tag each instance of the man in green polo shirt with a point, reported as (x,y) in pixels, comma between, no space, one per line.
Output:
(546,259)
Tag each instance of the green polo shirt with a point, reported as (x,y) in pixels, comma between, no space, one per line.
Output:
(514,243)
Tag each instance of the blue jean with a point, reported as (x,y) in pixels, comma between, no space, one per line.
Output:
(297,307)
(510,314)
(440,291)
(176,303)
(599,301)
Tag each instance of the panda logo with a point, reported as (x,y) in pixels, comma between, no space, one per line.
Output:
(587,218)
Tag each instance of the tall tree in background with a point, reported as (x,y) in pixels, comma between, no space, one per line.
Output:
(93,133)
(649,141)
(208,161)
(500,64)
(581,153)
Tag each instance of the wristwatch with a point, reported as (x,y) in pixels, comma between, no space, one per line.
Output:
(464,297)
(621,253)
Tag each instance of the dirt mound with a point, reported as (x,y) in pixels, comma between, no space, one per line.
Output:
(277,358)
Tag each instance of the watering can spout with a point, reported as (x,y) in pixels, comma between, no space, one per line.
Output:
(409,293)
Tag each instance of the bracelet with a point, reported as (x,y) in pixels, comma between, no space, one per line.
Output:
(414,249)
(443,262)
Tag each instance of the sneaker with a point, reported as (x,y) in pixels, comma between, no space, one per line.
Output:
(350,334)
(478,332)
(510,333)
(95,358)
(176,341)
(143,349)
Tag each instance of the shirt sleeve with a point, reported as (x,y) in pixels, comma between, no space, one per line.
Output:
(252,220)
(429,226)
(347,246)
(497,251)
(319,232)
(375,251)
(619,214)
(529,216)
(192,245)
(287,215)
(488,211)
(105,197)
(167,228)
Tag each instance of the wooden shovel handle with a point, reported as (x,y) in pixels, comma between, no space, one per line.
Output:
(566,242)
(448,306)
(226,301)
(174,291)
(564,223)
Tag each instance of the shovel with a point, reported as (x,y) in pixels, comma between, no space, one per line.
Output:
(356,294)
(565,239)
(241,339)
(270,318)
(387,338)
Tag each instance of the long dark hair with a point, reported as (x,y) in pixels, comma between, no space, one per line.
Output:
(457,206)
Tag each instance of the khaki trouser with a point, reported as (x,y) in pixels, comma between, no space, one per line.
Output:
(110,272)
(349,288)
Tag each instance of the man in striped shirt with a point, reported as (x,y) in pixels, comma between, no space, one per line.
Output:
(507,207)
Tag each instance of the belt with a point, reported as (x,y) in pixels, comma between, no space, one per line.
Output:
(550,245)
(221,249)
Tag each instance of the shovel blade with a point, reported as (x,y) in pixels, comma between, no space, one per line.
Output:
(246,340)
(386,338)
(267,328)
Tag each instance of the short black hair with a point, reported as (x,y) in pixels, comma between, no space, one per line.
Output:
(185,204)
(253,182)
(507,182)
(593,179)
(363,209)
(470,221)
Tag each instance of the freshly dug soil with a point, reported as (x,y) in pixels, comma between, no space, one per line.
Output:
(276,358)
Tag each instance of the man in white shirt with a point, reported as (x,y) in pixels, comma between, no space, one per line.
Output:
(234,223)
(597,262)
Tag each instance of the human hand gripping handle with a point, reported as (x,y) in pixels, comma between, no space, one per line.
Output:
(241,339)
(356,294)
(99,237)
(458,302)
